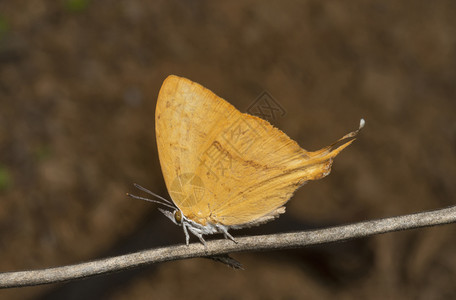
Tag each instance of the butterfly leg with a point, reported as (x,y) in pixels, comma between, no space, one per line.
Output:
(200,236)
(229,236)
(187,236)
(226,234)
(195,232)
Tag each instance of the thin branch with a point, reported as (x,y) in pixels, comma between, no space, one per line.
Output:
(221,247)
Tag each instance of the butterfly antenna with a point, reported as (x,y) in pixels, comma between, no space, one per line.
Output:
(152,193)
(163,201)
(150,200)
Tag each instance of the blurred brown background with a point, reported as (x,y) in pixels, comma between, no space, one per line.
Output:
(78,87)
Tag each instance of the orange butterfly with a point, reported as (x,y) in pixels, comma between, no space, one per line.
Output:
(225,169)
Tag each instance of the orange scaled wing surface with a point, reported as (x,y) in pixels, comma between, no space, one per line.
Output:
(227,167)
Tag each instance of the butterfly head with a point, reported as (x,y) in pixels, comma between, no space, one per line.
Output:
(175,216)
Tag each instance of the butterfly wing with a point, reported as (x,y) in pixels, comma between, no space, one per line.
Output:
(273,180)
(223,166)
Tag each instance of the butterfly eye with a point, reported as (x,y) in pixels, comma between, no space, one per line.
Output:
(178,216)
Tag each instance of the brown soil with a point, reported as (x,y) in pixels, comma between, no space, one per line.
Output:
(78,87)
